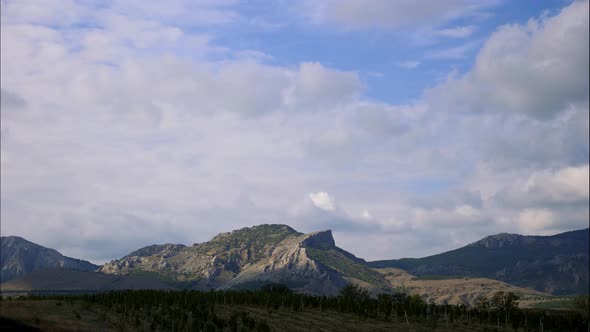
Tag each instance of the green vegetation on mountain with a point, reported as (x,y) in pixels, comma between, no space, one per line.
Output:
(555,264)
(340,261)
(251,257)
(311,263)
(155,249)
(258,240)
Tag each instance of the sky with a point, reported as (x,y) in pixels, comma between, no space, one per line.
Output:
(406,127)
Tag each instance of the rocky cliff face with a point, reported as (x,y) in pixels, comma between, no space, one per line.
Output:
(246,258)
(19,257)
(290,264)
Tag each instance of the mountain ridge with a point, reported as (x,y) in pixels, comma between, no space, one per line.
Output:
(19,257)
(265,253)
(556,264)
(312,263)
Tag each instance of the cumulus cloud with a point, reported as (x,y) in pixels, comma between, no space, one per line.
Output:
(548,221)
(568,185)
(141,121)
(516,142)
(322,200)
(367,215)
(450,217)
(533,69)
(535,219)
(316,87)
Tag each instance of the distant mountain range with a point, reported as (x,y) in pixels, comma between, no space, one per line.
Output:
(555,264)
(19,257)
(312,263)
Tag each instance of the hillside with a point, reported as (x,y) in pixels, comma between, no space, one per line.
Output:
(455,290)
(311,263)
(19,257)
(555,264)
(249,257)
(72,280)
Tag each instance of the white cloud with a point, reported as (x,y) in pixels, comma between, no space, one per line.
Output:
(129,124)
(454,53)
(531,69)
(367,215)
(322,200)
(461,216)
(135,122)
(410,64)
(568,185)
(517,142)
(376,74)
(456,32)
(535,220)
(53,12)
(316,87)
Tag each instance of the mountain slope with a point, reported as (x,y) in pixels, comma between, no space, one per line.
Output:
(251,256)
(455,290)
(72,280)
(19,257)
(555,264)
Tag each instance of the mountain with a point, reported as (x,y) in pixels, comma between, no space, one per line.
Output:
(19,257)
(72,280)
(555,264)
(249,257)
(456,290)
(311,263)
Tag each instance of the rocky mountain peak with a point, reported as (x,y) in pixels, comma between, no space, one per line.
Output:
(319,240)
(253,255)
(166,249)
(497,241)
(20,257)
(265,232)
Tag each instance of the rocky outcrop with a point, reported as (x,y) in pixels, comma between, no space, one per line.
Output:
(290,264)
(319,240)
(246,258)
(19,257)
(206,265)
(163,249)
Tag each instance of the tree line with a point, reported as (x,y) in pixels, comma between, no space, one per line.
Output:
(191,310)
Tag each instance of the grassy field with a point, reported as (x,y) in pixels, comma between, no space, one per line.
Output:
(565,302)
(53,315)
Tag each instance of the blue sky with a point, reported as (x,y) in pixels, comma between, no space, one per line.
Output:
(417,127)
(377,55)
